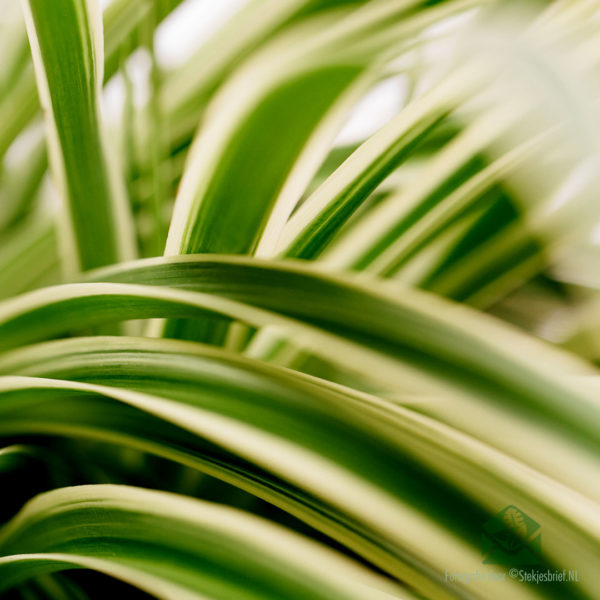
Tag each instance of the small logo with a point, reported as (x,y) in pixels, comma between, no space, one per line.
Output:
(511,538)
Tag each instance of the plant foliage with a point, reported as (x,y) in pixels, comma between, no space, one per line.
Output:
(242,358)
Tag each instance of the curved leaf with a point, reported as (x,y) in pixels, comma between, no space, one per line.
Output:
(106,528)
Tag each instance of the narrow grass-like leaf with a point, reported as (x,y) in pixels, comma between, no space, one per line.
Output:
(187,88)
(323,213)
(299,74)
(311,472)
(29,255)
(272,286)
(448,342)
(66,41)
(217,552)
(122,20)
(454,163)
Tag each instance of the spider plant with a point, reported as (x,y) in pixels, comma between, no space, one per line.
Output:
(242,358)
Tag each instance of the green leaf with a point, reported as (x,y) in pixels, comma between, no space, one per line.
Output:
(386,423)
(412,341)
(297,429)
(452,166)
(174,547)
(378,315)
(328,208)
(122,22)
(187,89)
(29,255)
(279,99)
(66,41)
